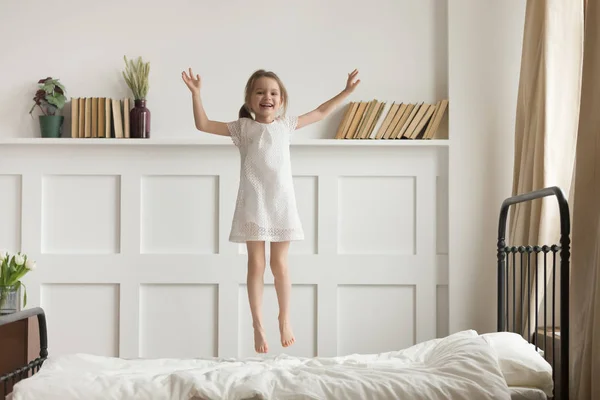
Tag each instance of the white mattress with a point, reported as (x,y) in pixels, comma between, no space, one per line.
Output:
(464,365)
(524,393)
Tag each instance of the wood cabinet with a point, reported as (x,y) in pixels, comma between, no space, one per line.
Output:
(19,344)
(551,354)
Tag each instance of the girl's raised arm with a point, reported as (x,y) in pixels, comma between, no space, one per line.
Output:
(326,108)
(202,122)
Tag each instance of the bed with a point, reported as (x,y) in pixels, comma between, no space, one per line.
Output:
(506,364)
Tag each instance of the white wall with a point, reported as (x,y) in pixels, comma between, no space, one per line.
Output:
(398,46)
(484,60)
(405,50)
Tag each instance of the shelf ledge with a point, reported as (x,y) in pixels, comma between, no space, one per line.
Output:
(204,141)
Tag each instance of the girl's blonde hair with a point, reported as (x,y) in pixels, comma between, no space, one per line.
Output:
(261,73)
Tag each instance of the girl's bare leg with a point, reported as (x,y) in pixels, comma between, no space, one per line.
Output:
(255,283)
(283,287)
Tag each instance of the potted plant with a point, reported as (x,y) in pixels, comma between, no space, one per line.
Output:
(50,98)
(12,269)
(136,75)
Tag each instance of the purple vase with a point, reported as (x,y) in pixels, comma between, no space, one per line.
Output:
(139,119)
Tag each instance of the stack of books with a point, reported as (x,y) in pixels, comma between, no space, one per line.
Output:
(380,120)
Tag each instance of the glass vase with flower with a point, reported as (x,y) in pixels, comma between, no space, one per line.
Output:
(13,267)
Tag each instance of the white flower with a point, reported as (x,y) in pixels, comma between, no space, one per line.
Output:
(19,259)
(30,264)
(3,255)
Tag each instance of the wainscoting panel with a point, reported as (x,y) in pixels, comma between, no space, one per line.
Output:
(179,214)
(376,215)
(163,333)
(375,318)
(80,214)
(131,242)
(10,211)
(85,317)
(307,198)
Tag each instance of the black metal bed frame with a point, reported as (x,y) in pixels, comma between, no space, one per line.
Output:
(504,283)
(504,315)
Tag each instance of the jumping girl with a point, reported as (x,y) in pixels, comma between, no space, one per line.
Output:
(265,208)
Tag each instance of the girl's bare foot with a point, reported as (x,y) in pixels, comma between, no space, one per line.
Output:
(260,340)
(287,336)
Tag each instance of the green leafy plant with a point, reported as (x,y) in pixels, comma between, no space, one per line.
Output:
(50,96)
(136,75)
(12,269)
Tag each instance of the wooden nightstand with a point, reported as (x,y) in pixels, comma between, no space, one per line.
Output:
(551,353)
(19,342)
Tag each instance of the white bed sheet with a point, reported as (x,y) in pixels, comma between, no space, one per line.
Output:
(464,365)
(525,393)
(460,366)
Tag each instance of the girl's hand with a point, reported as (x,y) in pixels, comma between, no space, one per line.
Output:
(193,83)
(352,83)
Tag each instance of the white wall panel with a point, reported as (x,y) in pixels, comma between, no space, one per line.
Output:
(179,214)
(138,234)
(307,199)
(375,318)
(442,311)
(82,317)
(178,320)
(441,215)
(376,215)
(10,212)
(81,214)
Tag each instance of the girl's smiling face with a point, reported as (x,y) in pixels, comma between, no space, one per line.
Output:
(265,99)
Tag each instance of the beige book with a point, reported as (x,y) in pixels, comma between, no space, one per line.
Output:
(387,120)
(117,118)
(371,119)
(94,117)
(436,119)
(101,116)
(74,117)
(126,109)
(402,115)
(349,120)
(410,131)
(362,128)
(376,120)
(408,121)
(108,118)
(435,111)
(362,105)
(421,126)
(81,108)
(340,130)
(88,117)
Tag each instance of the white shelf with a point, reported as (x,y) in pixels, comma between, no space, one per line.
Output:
(213,141)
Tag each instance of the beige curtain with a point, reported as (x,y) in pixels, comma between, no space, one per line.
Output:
(585,272)
(545,133)
(557,142)
(528,171)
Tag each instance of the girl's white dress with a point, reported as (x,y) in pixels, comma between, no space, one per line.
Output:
(265,208)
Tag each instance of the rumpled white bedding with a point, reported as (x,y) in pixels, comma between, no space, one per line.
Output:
(460,366)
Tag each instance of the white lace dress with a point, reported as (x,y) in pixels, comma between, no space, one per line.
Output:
(265,208)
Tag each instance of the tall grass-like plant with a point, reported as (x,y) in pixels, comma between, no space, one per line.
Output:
(136,75)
